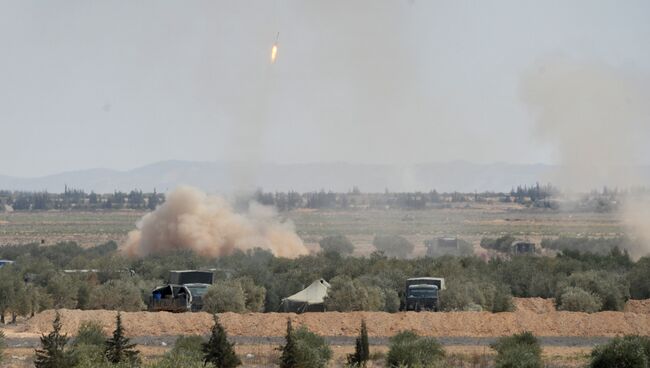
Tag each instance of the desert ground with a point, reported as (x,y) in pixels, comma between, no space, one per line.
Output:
(470,221)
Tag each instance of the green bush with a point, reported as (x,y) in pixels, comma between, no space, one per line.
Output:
(313,350)
(2,345)
(225,296)
(407,349)
(218,351)
(90,356)
(626,352)
(303,348)
(347,295)
(393,245)
(178,360)
(118,294)
(575,299)
(392,301)
(475,295)
(610,287)
(90,333)
(518,351)
(361,352)
(192,344)
(337,243)
(639,278)
(187,352)
(254,295)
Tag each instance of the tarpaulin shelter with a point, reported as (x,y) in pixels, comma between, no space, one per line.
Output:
(311,299)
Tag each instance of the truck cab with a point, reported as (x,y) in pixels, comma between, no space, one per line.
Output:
(422,293)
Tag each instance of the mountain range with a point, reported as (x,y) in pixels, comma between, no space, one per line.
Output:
(223,177)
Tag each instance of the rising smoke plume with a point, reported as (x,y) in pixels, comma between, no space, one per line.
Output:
(598,119)
(206,224)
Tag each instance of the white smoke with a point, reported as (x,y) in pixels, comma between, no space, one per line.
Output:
(206,224)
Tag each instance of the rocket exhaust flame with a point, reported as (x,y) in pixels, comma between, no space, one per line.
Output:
(274,49)
(274,53)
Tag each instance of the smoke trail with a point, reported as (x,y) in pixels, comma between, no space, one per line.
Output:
(598,118)
(207,225)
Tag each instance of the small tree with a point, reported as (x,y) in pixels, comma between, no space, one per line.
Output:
(289,357)
(407,349)
(119,348)
(626,352)
(519,350)
(225,296)
(2,345)
(218,350)
(53,353)
(90,333)
(361,350)
(337,243)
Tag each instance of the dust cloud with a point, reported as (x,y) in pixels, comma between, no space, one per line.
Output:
(598,119)
(206,224)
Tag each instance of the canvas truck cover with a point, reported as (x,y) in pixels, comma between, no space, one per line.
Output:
(191,277)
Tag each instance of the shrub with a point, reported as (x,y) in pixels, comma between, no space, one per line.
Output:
(90,333)
(187,353)
(303,348)
(218,351)
(337,243)
(254,295)
(518,351)
(178,360)
(575,299)
(313,350)
(90,356)
(225,296)
(407,349)
(392,301)
(191,344)
(347,295)
(2,345)
(53,352)
(119,348)
(502,244)
(609,287)
(361,349)
(639,278)
(393,245)
(626,352)
(473,295)
(116,295)
(289,357)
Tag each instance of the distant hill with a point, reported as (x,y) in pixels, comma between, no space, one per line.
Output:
(228,177)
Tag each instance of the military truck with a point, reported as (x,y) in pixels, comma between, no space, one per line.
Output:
(183,293)
(422,293)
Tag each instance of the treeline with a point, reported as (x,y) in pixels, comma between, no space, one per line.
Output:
(77,199)
(258,281)
(535,196)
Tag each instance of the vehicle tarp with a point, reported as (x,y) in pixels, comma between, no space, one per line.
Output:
(309,299)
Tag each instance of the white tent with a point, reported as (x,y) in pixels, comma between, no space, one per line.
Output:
(309,299)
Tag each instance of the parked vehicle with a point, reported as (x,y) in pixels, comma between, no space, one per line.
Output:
(422,293)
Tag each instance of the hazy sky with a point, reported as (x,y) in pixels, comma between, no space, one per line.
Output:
(120,84)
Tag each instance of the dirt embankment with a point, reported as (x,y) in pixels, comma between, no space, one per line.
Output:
(535,315)
(638,306)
